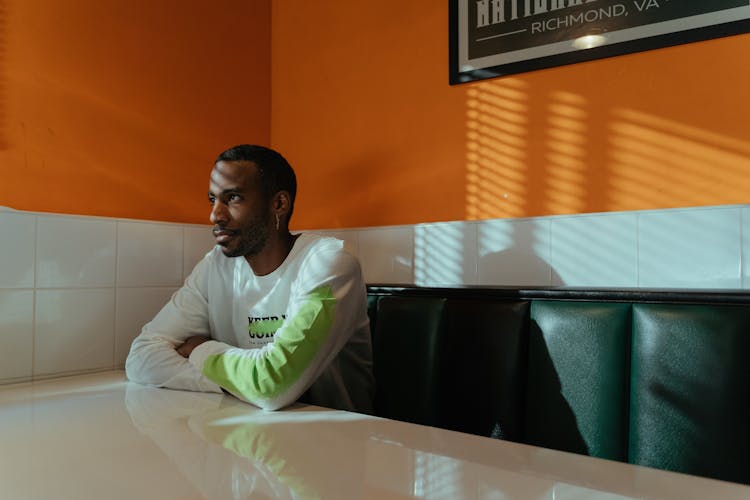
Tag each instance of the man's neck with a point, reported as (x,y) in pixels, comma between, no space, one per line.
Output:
(273,254)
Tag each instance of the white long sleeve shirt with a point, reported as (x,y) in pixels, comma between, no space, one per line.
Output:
(302,329)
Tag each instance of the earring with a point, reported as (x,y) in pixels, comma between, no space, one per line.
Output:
(277,222)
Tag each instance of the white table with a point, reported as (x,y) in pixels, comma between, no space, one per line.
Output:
(100,437)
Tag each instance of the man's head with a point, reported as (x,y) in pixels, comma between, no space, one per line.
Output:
(252,191)
(275,172)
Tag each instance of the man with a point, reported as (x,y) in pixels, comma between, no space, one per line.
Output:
(268,316)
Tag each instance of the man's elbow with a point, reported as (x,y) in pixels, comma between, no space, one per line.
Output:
(268,403)
(134,371)
(150,362)
(273,406)
(137,370)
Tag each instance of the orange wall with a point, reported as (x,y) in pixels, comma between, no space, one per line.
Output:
(362,108)
(118,108)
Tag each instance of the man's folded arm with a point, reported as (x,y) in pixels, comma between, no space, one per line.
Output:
(318,324)
(153,359)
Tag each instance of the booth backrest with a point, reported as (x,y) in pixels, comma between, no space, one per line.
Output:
(410,331)
(577,390)
(690,389)
(652,378)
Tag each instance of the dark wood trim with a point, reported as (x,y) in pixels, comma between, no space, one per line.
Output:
(642,295)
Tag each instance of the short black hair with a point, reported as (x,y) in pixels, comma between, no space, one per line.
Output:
(275,172)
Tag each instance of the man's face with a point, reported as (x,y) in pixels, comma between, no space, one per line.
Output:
(241,215)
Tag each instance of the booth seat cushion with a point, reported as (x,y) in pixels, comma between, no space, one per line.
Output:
(482,366)
(450,363)
(406,352)
(577,377)
(690,379)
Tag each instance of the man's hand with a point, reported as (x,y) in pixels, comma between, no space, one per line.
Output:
(191,343)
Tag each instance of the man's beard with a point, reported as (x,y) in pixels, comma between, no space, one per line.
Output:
(250,240)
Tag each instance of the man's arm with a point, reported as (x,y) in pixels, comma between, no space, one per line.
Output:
(190,343)
(154,358)
(326,307)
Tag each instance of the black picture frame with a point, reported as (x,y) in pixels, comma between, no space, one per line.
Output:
(481,46)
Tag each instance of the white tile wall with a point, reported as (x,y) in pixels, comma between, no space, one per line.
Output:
(134,308)
(445,254)
(514,252)
(74,330)
(745,257)
(595,250)
(99,280)
(75,252)
(703,247)
(690,248)
(75,290)
(149,254)
(198,241)
(386,254)
(17,250)
(16,333)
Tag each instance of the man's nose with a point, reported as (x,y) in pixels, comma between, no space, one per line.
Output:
(219,214)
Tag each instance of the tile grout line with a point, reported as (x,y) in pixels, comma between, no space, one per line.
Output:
(637,250)
(476,228)
(742,249)
(549,254)
(115,294)
(34,298)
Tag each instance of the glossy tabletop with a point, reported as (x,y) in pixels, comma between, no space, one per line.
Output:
(100,437)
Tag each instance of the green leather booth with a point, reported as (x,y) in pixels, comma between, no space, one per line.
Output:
(656,378)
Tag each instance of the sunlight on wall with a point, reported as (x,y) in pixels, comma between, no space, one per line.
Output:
(596,250)
(514,252)
(436,261)
(497,125)
(660,162)
(696,248)
(500,235)
(513,163)
(440,251)
(565,157)
(542,149)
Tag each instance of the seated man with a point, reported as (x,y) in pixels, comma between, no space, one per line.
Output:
(269,316)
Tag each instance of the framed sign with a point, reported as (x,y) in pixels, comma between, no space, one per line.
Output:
(490,38)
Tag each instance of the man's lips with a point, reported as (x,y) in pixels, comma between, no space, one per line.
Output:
(223,235)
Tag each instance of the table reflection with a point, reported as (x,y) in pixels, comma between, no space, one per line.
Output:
(98,436)
(227,449)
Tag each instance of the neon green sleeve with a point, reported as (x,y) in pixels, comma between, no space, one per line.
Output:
(277,374)
(318,345)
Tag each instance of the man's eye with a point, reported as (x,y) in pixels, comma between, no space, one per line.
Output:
(212,200)
(234,197)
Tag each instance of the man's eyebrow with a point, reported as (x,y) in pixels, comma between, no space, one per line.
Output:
(227,191)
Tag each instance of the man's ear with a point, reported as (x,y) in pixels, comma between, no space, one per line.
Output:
(281,202)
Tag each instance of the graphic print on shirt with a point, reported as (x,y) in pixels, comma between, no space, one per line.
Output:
(258,375)
(262,329)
